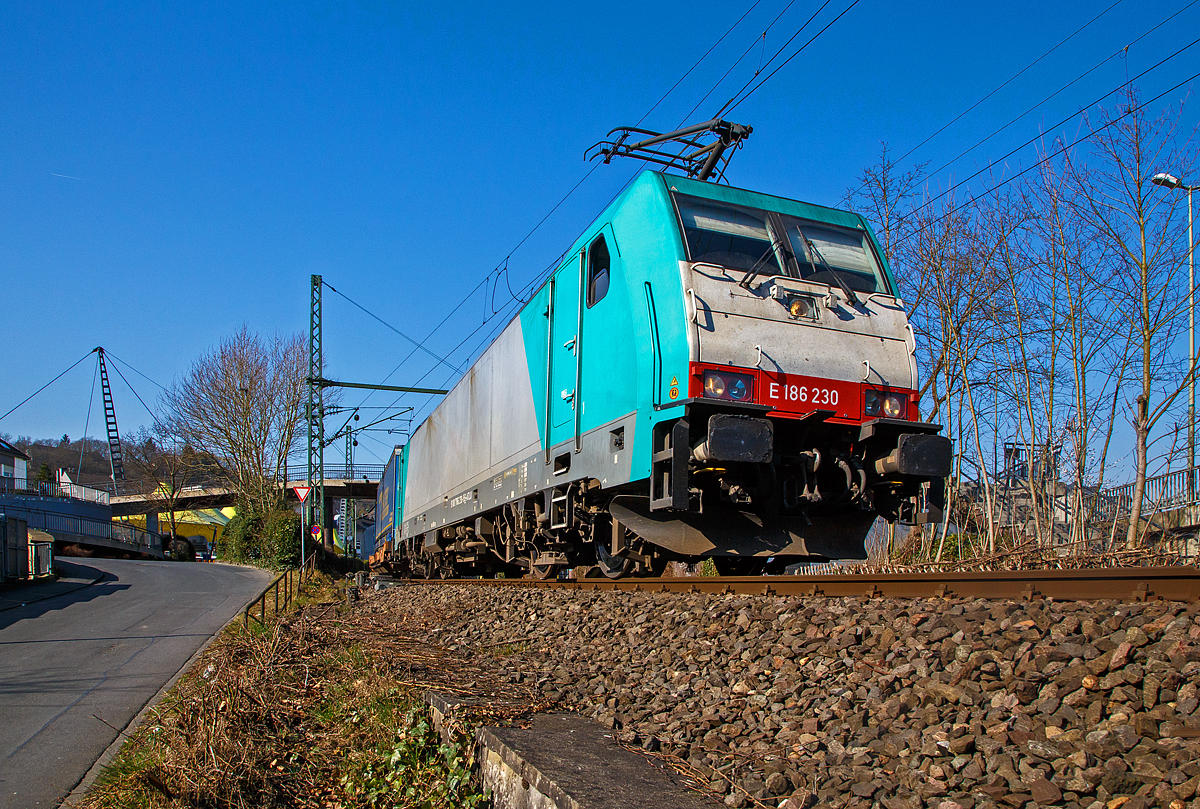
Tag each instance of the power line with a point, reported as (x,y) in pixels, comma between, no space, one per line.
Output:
(365,310)
(705,56)
(48,384)
(1079,78)
(952,188)
(1042,160)
(1060,90)
(462,301)
(738,61)
(785,62)
(1017,75)
(575,187)
(519,298)
(774,56)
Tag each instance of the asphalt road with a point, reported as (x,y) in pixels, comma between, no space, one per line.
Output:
(77,666)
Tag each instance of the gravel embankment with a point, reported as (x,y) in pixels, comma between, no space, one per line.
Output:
(950,704)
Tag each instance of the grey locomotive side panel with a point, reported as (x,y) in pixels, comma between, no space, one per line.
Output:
(600,458)
(485,422)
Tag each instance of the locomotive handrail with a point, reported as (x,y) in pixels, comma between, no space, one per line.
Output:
(549,361)
(655,349)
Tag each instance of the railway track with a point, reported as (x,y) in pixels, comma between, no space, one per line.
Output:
(1122,584)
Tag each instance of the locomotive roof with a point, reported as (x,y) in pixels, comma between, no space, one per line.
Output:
(756,199)
(728,194)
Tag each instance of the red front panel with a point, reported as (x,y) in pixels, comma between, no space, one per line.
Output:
(794,394)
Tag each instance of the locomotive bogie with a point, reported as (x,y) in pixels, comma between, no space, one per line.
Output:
(665,395)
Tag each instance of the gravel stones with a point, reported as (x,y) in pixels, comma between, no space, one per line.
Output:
(849,702)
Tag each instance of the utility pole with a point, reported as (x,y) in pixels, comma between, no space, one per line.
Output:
(314,413)
(348,504)
(1175,184)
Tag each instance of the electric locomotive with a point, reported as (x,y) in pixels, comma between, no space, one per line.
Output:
(710,372)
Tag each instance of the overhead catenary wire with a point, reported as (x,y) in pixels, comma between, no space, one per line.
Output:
(430,334)
(1036,164)
(729,104)
(387,325)
(1035,139)
(1026,144)
(730,107)
(705,56)
(1016,76)
(763,38)
(1033,107)
(1079,78)
(519,299)
(504,264)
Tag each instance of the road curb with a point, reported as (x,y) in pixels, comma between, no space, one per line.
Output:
(76,795)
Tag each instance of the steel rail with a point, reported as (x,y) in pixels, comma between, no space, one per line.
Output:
(1119,583)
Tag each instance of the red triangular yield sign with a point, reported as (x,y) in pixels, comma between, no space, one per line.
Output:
(302,492)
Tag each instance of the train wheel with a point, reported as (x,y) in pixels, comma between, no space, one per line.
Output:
(541,572)
(613,567)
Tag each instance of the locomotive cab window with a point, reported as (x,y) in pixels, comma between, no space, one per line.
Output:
(737,238)
(598,267)
(822,251)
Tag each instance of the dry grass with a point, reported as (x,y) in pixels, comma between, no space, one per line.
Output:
(320,709)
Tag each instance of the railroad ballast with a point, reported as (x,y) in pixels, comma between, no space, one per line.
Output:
(710,372)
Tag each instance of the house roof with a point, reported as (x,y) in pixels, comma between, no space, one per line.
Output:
(11,451)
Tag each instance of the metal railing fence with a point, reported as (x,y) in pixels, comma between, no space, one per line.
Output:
(1168,492)
(370,473)
(283,590)
(41,488)
(358,471)
(86,527)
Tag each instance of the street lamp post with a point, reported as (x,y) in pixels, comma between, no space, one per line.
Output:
(1174,183)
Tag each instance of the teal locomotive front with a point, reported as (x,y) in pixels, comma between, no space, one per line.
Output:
(710,372)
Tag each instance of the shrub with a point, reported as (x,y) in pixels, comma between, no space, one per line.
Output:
(270,540)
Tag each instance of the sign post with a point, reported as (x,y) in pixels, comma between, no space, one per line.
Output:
(302,495)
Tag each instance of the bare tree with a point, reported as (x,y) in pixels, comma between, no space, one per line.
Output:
(242,403)
(1035,311)
(166,464)
(1117,201)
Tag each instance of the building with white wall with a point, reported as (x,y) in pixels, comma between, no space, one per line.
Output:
(13,462)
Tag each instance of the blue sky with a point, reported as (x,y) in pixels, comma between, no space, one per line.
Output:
(168,173)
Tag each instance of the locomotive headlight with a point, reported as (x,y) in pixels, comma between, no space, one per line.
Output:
(872,402)
(889,405)
(733,387)
(799,307)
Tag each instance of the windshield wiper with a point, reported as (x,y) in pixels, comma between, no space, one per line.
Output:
(753,273)
(850,296)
